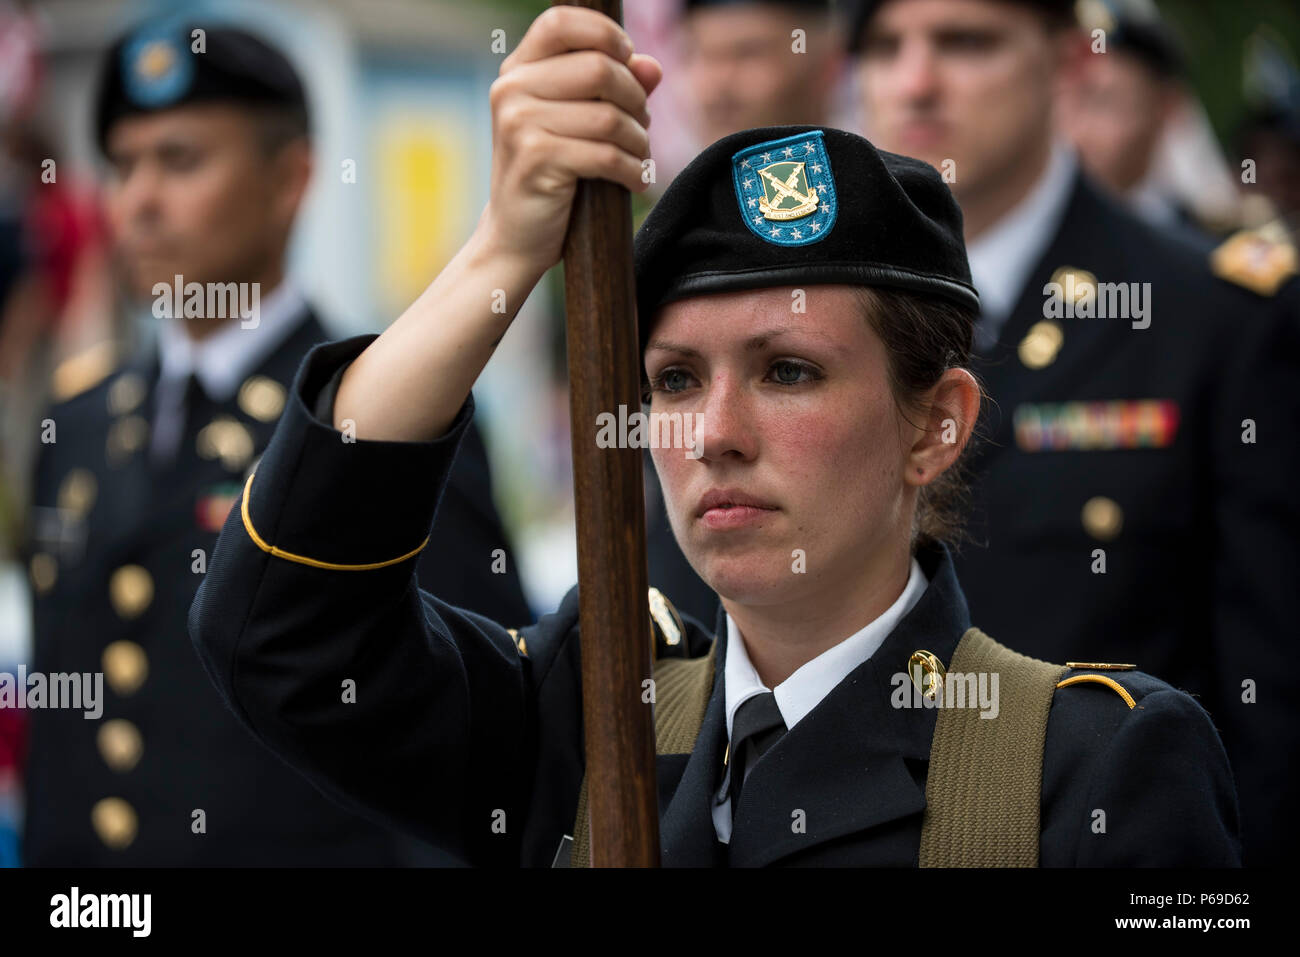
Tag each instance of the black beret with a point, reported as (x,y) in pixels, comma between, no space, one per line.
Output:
(798,205)
(1271,84)
(156,67)
(1136,27)
(858,13)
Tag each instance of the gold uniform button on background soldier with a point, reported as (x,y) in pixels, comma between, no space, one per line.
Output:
(125,666)
(262,398)
(1102,518)
(126,436)
(77,492)
(1075,283)
(120,744)
(131,590)
(1040,345)
(226,439)
(115,822)
(44,569)
(126,393)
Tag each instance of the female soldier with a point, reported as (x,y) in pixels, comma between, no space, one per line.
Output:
(809,299)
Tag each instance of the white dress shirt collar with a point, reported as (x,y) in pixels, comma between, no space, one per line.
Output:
(223,360)
(1150,200)
(808,685)
(1002,258)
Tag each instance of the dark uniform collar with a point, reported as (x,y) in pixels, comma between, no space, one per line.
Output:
(280,363)
(849,765)
(940,617)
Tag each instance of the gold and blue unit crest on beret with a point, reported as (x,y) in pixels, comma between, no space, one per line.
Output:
(785,189)
(156,66)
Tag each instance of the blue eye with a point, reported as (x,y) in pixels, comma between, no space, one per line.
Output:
(789,372)
(786,372)
(671,380)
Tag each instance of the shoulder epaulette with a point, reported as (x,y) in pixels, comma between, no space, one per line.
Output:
(1259,259)
(83,371)
(1106,680)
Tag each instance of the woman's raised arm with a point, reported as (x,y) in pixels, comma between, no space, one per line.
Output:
(309,620)
(570,103)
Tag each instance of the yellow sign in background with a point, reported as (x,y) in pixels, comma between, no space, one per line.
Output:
(425,200)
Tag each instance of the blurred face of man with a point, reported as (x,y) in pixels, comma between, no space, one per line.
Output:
(964,80)
(742,71)
(194,192)
(1277,162)
(1114,111)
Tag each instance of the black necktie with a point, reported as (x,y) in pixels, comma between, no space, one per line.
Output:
(176,421)
(195,404)
(195,412)
(756,727)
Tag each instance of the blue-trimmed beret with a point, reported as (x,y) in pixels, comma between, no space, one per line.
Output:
(799,205)
(156,67)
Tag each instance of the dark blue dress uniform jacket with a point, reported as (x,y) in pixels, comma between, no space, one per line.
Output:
(1202,568)
(194,754)
(473,740)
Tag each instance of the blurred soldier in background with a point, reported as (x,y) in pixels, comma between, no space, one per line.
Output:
(206,131)
(1270,135)
(1117,108)
(751,63)
(1134,493)
(748,63)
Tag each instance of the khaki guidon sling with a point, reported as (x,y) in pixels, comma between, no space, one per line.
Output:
(983,787)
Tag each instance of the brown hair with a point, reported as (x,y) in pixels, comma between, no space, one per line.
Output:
(924,336)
